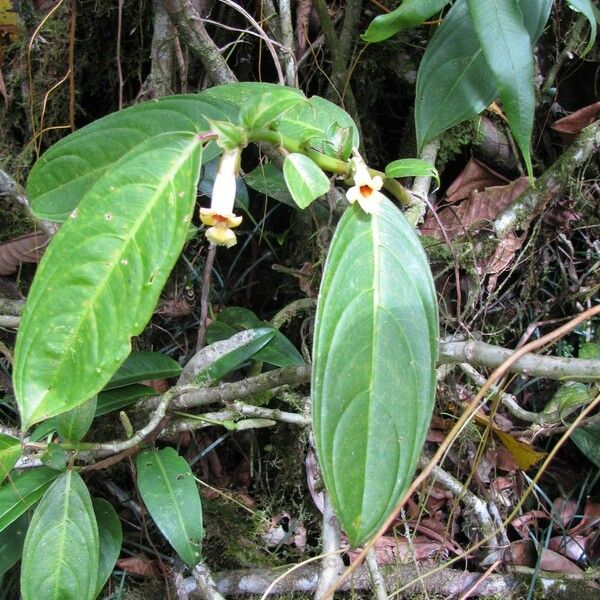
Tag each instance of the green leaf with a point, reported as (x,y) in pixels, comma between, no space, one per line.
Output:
(222,366)
(11,543)
(22,491)
(69,169)
(55,457)
(280,352)
(110,539)
(10,450)
(102,275)
(269,180)
(587,440)
(454,82)
(60,555)
(167,486)
(111,400)
(586,8)
(589,350)
(304,179)
(411,167)
(409,14)
(143,366)
(373,378)
(262,110)
(230,136)
(75,423)
(507,48)
(568,398)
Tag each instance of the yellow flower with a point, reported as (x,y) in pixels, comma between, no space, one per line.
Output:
(365,190)
(220,216)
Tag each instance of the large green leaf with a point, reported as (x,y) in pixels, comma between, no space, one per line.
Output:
(60,555)
(507,48)
(262,110)
(141,366)
(11,543)
(454,82)
(110,540)
(101,276)
(279,352)
(409,14)
(373,378)
(22,491)
(269,180)
(111,400)
(75,423)
(586,8)
(167,486)
(68,170)
(10,450)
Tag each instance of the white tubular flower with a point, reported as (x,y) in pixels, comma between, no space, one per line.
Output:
(365,190)
(220,216)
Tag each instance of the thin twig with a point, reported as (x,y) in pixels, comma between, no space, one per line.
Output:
(118,53)
(376,576)
(331,534)
(205,582)
(210,259)
(287,38)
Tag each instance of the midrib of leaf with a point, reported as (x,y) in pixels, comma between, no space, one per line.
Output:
(173,497)
(166,180)
(62,539)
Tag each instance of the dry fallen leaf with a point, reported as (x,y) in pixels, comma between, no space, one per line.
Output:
(572,124)
(475,177)
(25,248)
(140,566)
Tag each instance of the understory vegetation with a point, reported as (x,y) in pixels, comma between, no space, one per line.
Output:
(299,298)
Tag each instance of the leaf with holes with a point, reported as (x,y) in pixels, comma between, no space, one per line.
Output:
(102,275)
(60,555)
(169,491)
(373,378)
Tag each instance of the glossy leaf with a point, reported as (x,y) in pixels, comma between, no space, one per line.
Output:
(60,555)
(143,366)
(167,486)
(111,400)
(263,109)
(409,14)
(101,276)
(22,491)
(280,352)
(269,180)
(75,423)
(586,8)
(411,167)
(222,366)
(10,450)
(506,46)
(587,440)
(110,538)
(454,82)
(304,178)
(11,543)
(373,378)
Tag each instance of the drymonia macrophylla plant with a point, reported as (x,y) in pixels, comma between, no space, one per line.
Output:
(124,189)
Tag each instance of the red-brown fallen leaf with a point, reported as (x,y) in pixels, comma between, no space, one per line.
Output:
(504,460)
(390,550)
(573,548)
(160,385)
(572,124)
(25,248)
(522,523)
(555,562)
(475,212)
(563,511)
(591,518)
(474,177)
(435,435)
(521,552)
(138,565)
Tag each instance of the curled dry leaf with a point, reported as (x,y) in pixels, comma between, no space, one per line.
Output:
(475,177)
(573,548)
(25,248)
(555,562)
(571,125)
(390,550)
(141,566)
(474,213)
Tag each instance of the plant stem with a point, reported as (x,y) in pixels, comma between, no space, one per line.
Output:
(210,259)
